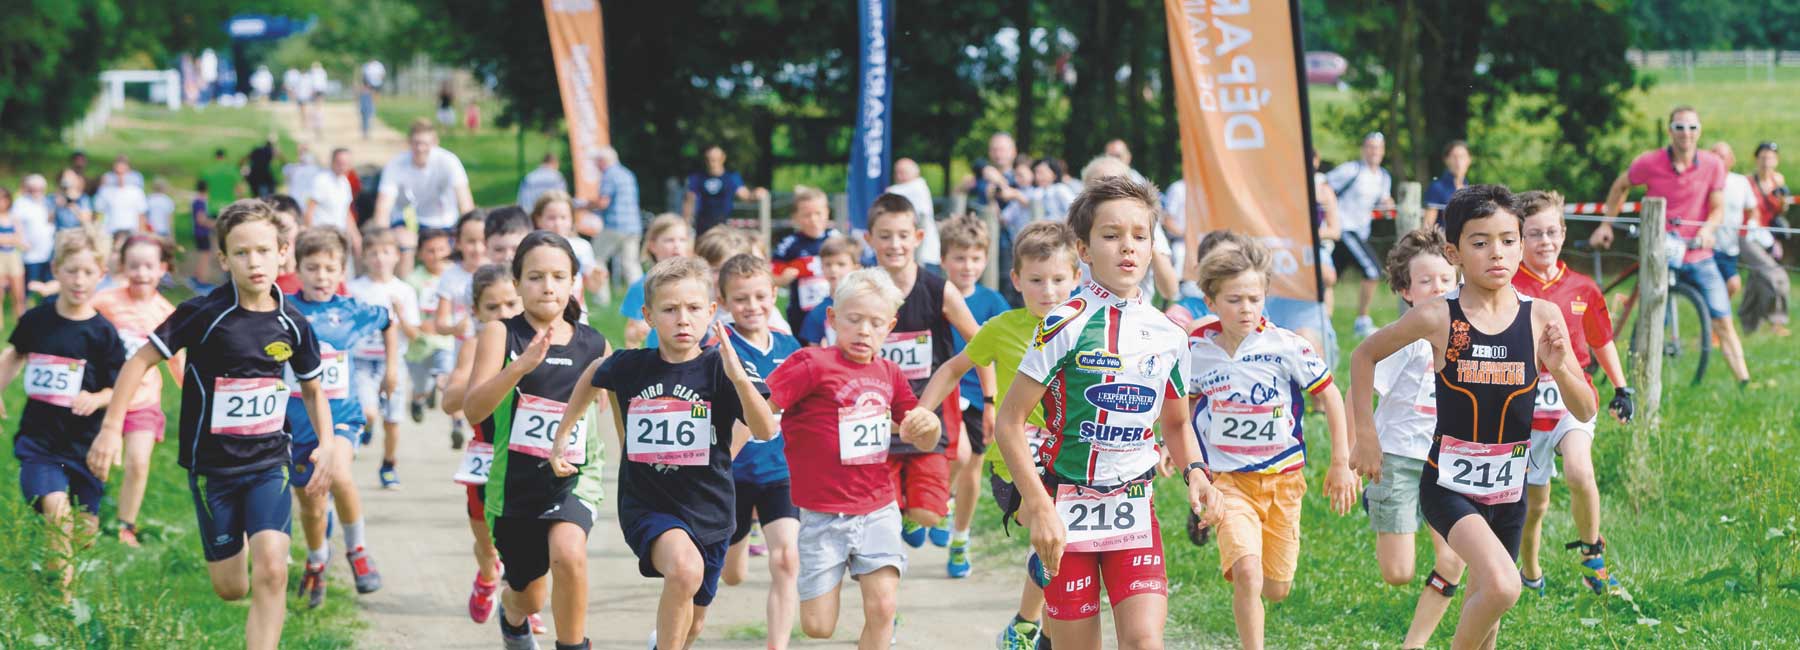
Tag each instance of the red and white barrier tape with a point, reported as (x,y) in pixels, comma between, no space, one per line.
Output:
(1589,208)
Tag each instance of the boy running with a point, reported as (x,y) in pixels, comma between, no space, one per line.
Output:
(837,258)
(373,359)
(965,244)
(796,256)
(432,355)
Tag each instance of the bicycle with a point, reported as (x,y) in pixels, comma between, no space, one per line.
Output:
(1687,327)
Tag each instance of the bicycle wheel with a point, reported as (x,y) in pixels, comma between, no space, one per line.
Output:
(1687,332)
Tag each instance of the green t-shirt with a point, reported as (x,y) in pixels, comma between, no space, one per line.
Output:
(221,184)
(426,284)
(1001,343)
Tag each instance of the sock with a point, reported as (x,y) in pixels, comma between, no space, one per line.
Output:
(353,535)
(573,646)
(959,536)
(522,629)
(127,525)
(319,555)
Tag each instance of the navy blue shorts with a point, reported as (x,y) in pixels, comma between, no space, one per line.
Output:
(302,453)
(1443,509)
(234,508)
(39,272)
(41,476)
(770,501)
(641,532)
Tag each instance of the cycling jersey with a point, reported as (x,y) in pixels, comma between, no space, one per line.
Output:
(1106,361)
(1582,304)
(1248,403)
(339,323)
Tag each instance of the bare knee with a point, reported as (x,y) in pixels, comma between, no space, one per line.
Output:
(1277,590)
(880,606)
(568,557)
(231,591)
(1499,582)
(924,518)
(1537,499)
(1247,574)
(1397,576)
(819,623)
(784,561)
(685,571)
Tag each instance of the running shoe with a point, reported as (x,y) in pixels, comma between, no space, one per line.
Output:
(652,644)
(912,533)
(1532,585)
(483,599)
(312,585)
(1364,326)
(390,479)
(366,437)
(940,534)
(456,439)
(757,548)
(368,580)
(418,411)
(536,621)
(1601,581)
(511,641)
(128,536)
(1020,635)
(958,565)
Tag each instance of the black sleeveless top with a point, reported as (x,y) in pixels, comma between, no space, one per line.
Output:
(526,485)
(923,311)
(1488,387)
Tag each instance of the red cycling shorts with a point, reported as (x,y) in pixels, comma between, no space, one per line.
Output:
(1074,592)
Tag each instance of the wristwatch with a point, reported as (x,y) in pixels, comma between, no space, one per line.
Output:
(1196,465)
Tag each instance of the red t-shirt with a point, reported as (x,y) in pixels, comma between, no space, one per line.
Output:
(1583,306)
(289,283)
(810,387)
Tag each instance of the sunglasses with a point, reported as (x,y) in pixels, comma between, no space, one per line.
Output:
(1767,146)
(1685,126)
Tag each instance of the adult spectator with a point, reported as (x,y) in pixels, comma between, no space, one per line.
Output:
(78,163)
(262,82)
(430,178)
(222,179)
(374,74)
(1740,211)
(995,174)
(1693,184)
(1118,149)
(1361,187)
(710,193)
(31,213)
(74,208)
(298,175)
(1766,285)
(132,176)
(328,200)
(122,205)
(160,209)
(544,178)
(446,110)
(1456,174)
(1056,195)
(621,237)
(365,106)
(908,182)
(259,166)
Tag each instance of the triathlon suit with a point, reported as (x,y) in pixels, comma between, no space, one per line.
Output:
(919,343)
(1107,363)
(1485,396)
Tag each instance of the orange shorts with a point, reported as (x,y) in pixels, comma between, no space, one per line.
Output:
(1262,518)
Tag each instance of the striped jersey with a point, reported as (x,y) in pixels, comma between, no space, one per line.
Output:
(1107,363)
(1248,403)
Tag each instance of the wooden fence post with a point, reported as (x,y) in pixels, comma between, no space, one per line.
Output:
(762,217)
(1647,348)
(990,213)
(1409,213)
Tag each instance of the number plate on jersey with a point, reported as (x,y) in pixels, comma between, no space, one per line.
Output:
(1426,401)
(334,378)
(248,406)
(812,291)
(1487,474)
(534,425)
(1550,404)
(668,432)
(1105,521)
(863,433)
(911,351)
(1249,429)
(478,458)
(52,379)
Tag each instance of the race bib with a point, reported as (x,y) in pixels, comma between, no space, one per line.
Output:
(248,406)
(668,432)
(1550,404)
(1249,429)
(52,379)
(1105,521)
(478,458)
(1426,401)
(534,425)
(132,341)
(812,291)
(371,348)
(911,351)
(1487,474)
(334,375)
(863,434)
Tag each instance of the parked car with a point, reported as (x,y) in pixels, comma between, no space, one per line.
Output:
(1326,68)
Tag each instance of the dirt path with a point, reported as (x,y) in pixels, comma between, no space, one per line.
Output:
(341,126)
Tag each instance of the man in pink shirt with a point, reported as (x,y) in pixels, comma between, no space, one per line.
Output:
(1693,183)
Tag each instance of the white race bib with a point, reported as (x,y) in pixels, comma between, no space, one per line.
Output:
(1550,404)
(1105,521)
(668,432)
(534,424)
(334,374)
(863,433)
(911,351)
(1249,429)
(248,406)
(1426,401)
(811,291)
(1487,474)
(478,457)
(52,379)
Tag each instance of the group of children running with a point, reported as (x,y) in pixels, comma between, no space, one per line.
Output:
(851,427)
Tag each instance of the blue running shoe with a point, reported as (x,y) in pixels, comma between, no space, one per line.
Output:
(958,566)
(390,479)
(1601,582)
(1533,585)
(912,533)
(1019,635)
(940,534)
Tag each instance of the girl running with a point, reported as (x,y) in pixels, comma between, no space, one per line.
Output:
(525,368)
(1488,342)
(136,308)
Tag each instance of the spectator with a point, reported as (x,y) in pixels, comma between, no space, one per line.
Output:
(132,176)
(201,214)
(78,163)
(74,208)
(31,209)
(430,178)
(1456,174)
(622,236)
(12,266)
(1740,211)
(328,200)
(1766,288)
(446,111)
(1361,187)
(259,167)
(365,106)
(994,172)
(908,182)
(222,180)
(1047,174)
(262,82)
(161,209)
(298,175)
(122,204)
(544,178)
(1016,213)
(1693,184)
(1118,149)
(710,193)
(374,74)
(1174,221)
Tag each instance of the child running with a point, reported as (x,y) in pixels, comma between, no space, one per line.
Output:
(505,229)
(1489,342)
(919,343)
(676,407)
(71,356)
(555,211)
(1108,367)
(667,237)
(373,359)
(838,405)
(965,245)
(538,511)
(339,323)
(136,308)
(1405,419)
(431,356)
(837,258)
(759,470)
(1045,270)
(1555,431)
(1245,382)
(452,314)
(234,429)
(796,256)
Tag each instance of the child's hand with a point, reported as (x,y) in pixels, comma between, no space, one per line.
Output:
(559,465)
(86,403)
(919,427)
(105,447)
(989,419)
(535,351)
(1048,533)
(1205,500)
(1555,344)
(1341,486)
(734,368)
(789,274)
(1365,460)
(320,483)
(389,381)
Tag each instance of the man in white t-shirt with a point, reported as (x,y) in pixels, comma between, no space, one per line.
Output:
(298,175)
(1740,198)
(430,178)
(908,183)
(328,201)
(122,204)
(1361,186)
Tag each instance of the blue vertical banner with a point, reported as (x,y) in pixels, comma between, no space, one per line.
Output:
(871,150)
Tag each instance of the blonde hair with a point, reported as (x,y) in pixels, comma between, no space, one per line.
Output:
(544,200)
(1528,203)
(964,231)
(77,240)
(724,242)
(671,271)
(1043,240)
(1226,263)
(741,267)
(661,225)
(808,193)
(869,282)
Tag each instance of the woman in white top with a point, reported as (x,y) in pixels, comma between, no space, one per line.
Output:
(328,204)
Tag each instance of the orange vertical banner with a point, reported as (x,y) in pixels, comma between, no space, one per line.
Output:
(1243,130)
(578,45)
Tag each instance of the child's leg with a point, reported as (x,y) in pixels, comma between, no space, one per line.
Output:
(674,555)
(819,615)
(782,536)
(520,605)
(312,522)
(390,439)
(1246,600)
(1031,601)
(1584,492)
(1537,502)
(1394,552)
(1493,582)
(138,445)
(58,516)
(965,485)
(737,563)
(1139,621)
(881,602)
(1434,599)
(487,561)
(345,495)
(268,591)
(568,563)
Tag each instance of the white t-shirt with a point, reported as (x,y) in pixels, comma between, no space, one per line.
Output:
(374,73)
(332,194)
(919,193)
(1739,196)
(1366,187)
(318,79)
(455,285)
(395,294)
(35,227)
(162,213)
(123,206)
(432,188)
(1406,415)
(299,176)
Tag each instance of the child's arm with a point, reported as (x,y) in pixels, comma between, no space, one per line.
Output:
(458,385)
(755,408)
(573,414)
(177,364)
(1555,351)
(390,343)
(405,315)
(10,364)
(443,319)
(636,331)
(1622,405)
(1340,483)
(489,382)
(323,457)
(1036,509)
(112,427)
(946,378)
(1421,322)
(956,310)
